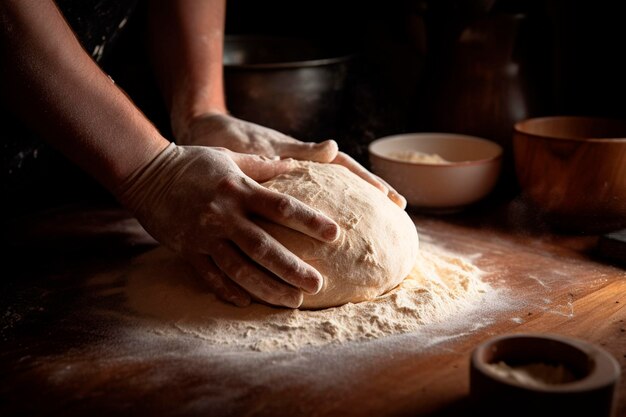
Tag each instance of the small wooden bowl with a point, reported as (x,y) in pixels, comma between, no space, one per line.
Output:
(573,169)
(592,393)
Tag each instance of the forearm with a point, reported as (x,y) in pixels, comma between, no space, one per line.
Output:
(51,83)
(187,42)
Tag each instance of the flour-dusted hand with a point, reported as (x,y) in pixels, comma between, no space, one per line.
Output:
(223,130)
(202,202)
(220,129)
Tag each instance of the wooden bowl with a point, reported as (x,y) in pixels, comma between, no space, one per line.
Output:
(589,390)
(470,173)
(573,169)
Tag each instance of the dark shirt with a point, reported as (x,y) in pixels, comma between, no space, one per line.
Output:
(97,23)
(33,175)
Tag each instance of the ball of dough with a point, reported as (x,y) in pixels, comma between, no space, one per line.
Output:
(378,244)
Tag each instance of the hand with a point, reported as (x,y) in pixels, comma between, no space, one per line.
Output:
(202,201)
(217,129)
(222,130)
(345,160)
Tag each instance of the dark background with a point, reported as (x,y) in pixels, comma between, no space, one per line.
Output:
(410,73)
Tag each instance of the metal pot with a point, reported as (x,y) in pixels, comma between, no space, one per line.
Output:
(295,86)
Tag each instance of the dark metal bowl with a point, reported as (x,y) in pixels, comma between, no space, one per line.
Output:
(295,86)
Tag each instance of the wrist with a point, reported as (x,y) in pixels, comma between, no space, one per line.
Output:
(137,182)
(183,123)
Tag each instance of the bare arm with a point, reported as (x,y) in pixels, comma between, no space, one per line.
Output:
(199,201)
(55,87)
(187,38)
(187,42)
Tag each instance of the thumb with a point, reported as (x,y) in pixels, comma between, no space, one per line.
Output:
(323,152)
(262,168)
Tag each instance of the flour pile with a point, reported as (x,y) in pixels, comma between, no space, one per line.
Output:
(175,302)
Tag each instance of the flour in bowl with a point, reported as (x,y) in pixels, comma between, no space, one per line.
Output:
(418,157)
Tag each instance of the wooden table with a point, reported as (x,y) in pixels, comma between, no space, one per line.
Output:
(64,352)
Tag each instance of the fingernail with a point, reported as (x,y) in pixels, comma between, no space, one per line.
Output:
(398,199)
(314,284)
(331,232)
(292,301)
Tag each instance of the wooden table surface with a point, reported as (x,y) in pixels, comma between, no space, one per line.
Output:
(65,351)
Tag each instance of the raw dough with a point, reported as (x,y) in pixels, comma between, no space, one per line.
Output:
(378,245)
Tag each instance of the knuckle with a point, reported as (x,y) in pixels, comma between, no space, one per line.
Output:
(261,247)
(230,129)
(213,280)
(222,149)
(229,185)
(221,246)
(291,272)
(315,222)
(230,268)
(243,273)
(212,219)
(291,269)
(285,206)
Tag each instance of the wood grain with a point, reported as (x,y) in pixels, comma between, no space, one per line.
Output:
(66,352)
(573,168)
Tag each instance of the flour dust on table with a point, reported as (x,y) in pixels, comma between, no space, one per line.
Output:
(175,303)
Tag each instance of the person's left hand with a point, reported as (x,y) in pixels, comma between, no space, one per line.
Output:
(223,130)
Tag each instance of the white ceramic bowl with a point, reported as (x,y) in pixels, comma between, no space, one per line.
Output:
(470,174)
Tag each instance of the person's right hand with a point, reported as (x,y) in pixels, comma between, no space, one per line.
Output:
(202,201)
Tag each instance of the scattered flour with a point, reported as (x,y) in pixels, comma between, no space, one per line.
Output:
(163,289)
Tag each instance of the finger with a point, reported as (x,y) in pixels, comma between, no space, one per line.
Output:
(348,162)
(219,283)
(323,152)
(262,168)
(292,213)
(393,195)
(250,277)
(263,249)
